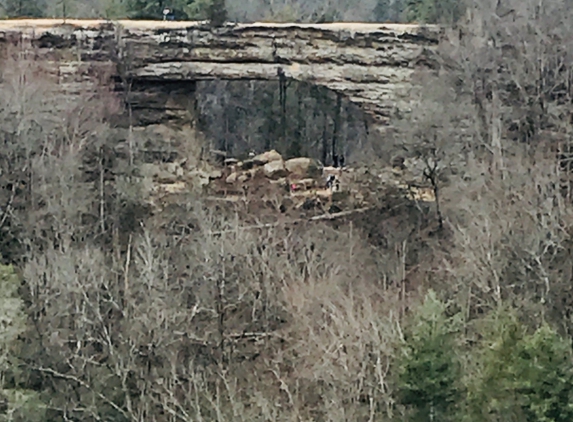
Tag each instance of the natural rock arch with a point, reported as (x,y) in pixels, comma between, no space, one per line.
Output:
(370,64)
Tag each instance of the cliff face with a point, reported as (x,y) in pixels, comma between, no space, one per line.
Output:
(340,80)
(370,65)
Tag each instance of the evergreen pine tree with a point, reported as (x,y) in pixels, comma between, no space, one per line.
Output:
(546,381)
(491,386)
(519,376)
(429,372)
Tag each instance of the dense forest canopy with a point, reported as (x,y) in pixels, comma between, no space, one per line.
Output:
(460,310)
(429,11)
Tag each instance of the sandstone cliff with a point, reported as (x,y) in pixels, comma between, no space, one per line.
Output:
(370,64)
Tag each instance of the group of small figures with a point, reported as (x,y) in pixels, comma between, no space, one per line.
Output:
(332,181)
(338,161)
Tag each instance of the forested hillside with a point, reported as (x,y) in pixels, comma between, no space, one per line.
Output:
(456,308)
(430,11)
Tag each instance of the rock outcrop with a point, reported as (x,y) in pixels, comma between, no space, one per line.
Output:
(266,157)
(275,169)
(304,183)
(304,167)
(370,64)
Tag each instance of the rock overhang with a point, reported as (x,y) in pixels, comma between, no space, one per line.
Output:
(371,64)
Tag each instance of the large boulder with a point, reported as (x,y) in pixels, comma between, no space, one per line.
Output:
(267,157)
(214,174)
(232,178)
(244,177)
(275,169)
(304,167)
(203,177)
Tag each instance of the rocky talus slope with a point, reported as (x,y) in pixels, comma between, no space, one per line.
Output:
(296,188)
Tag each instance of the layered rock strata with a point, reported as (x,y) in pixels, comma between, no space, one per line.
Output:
(373,65)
